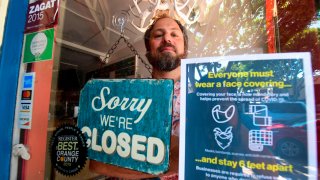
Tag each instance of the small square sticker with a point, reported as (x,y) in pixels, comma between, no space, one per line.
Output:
(27,82)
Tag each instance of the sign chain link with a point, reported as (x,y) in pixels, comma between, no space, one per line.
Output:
(131,47)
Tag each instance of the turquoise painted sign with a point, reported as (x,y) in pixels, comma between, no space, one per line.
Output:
(127,122)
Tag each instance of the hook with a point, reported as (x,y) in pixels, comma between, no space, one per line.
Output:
(120,21)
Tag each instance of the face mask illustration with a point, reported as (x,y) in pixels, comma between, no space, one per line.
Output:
(221,116)
(223,138)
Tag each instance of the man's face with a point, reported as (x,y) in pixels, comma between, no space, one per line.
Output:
(166,45)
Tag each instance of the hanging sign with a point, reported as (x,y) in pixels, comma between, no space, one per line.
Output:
(41,15)
(128,122)
(248,117)
(38,46)
(26,102)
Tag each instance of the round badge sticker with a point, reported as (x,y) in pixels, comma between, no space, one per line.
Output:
(68,150)
(38,44)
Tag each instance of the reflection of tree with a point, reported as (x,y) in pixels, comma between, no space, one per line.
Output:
(239,27)
(231,25)
(286,71)
(295,35)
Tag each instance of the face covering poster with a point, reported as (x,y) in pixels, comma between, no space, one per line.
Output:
(248,117)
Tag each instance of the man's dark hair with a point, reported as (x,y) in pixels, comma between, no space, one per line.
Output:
(182,28)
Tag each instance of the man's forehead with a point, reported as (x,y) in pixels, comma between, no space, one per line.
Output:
(165,24)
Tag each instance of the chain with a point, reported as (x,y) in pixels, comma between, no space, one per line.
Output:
(130,46)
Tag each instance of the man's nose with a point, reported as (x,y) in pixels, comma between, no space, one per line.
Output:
(167,38)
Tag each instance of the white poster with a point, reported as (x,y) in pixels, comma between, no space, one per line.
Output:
(248,117)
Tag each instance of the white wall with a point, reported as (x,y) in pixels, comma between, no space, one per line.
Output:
(3,16)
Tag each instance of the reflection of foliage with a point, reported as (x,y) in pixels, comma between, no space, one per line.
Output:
(238,27)
(283,70)
(295,17)
(304,41)
(230,25)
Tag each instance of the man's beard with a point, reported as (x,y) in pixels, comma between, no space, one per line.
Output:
(165,61)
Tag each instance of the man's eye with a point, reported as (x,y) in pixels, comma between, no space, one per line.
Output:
(158,35)
(174,35)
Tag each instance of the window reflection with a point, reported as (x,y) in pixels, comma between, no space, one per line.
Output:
(226,27)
